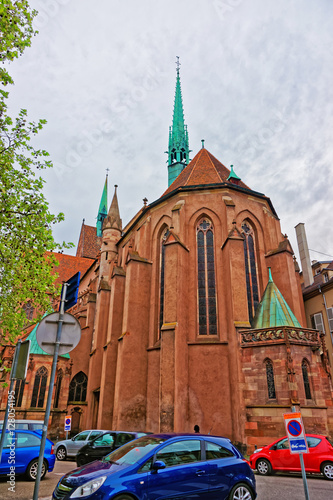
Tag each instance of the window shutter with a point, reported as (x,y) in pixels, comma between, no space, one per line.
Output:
(318,322)
(330,318)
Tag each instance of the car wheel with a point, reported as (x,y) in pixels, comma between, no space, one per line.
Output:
(80,460)
(31,471)
(123,497)
(327,470)
(61,453)
(241,492)
(263,467)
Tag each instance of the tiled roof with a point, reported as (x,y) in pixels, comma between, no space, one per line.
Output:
(70,265)
(203,169)
(89,243)
(273,310)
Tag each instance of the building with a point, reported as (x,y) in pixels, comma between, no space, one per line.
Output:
(192,314)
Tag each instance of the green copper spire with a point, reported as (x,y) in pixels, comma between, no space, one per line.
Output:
(178,151)
(103,208)
(273,310)
(233,175)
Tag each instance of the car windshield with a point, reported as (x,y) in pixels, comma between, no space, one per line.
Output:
(131,452)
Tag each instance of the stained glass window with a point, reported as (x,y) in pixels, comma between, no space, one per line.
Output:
(162,270)
(78,388)
(270,380)
(206,279)
(250,269)
(57,389)
(38,392)
(19,388)
(306,380)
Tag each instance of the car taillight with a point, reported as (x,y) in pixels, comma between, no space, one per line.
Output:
(52,449)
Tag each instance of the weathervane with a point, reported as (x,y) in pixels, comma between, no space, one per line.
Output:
(178,64)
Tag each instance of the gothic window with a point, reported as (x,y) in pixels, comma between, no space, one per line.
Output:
(78,388)
(29,310)
(250,269)
(270,379)
(162,272)
(38,392)
(305,373)
(206,278)
(57,389)
(19,388)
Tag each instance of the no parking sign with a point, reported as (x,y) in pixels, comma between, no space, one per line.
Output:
(295,432)
(68,422)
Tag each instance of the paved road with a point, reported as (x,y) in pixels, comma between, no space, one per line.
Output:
(277,487)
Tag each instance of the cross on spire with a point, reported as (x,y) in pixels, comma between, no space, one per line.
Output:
(177,64)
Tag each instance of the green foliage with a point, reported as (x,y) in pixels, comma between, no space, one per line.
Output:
(26,241)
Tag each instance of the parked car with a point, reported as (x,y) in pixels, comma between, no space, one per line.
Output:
(21,452)
(31,425)
(277,457)
(68,448)
(104,444)
(162,466)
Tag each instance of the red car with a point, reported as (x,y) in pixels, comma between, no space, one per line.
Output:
(277,457)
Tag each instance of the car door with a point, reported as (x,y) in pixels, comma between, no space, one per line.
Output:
(312,458)
(27,449)
(221,468)
(101,446)
(281,458)
(77,442)
(185,475)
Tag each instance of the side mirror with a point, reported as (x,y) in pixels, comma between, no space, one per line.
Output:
(274,447)
(158,465)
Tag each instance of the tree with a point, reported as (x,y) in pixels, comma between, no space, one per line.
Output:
(26,240)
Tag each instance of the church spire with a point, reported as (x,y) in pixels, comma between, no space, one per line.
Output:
(113,219)
(103,208)
(178,152)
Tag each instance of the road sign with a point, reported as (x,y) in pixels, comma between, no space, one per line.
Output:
(68,422)
(72,291)
(46,333)
(296,433)
(19,368)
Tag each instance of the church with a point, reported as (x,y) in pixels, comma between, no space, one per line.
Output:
(192,314)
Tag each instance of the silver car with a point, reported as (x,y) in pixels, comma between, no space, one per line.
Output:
(70,447)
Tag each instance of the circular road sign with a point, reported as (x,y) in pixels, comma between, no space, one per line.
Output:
(46,333)
(294,428)
(68,421)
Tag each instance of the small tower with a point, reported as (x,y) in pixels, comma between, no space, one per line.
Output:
(112,229)
(178,152)
(103,209)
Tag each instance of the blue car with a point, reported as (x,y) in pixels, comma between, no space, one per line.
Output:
(164,466)
(20,454)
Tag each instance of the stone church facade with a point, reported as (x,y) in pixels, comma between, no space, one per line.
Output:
(193,314)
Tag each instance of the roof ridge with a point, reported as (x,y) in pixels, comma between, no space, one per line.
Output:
(197,156)
(209,156)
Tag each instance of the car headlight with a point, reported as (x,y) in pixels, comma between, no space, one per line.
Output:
(257,451)
(88,488)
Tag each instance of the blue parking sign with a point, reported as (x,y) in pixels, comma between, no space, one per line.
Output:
(295,432)
(68,422)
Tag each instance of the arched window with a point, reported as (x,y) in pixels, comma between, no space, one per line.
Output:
(29,310)
(305,373)
(38,392)
(206,278)
(162,271)
(270,379)
(78,388)
(19,388)
(57,389)
(250,269)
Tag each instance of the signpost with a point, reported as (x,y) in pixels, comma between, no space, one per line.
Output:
(297,441)
(50,339)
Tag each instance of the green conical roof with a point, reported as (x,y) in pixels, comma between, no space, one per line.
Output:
(232,174)
(178,151)
(103,208)
(273,310)
(34,346)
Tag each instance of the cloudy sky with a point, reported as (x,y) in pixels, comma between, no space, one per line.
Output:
(257,84)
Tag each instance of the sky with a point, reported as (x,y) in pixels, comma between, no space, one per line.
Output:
(257,85)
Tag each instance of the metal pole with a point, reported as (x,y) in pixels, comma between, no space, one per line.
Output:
(50,393)
(11,387)
(305,483)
